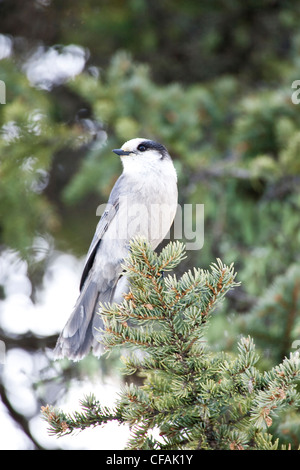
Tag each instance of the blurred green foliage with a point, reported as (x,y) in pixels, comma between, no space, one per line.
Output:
(211,81)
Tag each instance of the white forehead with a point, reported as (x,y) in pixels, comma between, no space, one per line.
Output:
(132,144)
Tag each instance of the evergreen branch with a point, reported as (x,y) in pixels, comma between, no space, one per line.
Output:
(279,391)
(93,414)
(278,308)
(197,398)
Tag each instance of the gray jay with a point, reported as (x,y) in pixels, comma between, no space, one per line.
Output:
(143,202)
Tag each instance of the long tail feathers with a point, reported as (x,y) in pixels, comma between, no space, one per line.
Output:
(77,337)
(81,332)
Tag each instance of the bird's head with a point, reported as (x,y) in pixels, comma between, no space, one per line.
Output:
(142,152)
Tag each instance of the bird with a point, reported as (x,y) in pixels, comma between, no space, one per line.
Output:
(142,203)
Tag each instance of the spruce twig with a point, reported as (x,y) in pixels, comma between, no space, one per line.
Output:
(197,398)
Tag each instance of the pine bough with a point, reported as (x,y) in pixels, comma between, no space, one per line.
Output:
(197,398)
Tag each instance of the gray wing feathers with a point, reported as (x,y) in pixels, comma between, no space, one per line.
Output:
(81,331)
(109,213)
(101,228)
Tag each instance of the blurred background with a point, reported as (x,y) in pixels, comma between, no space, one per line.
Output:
(212,81)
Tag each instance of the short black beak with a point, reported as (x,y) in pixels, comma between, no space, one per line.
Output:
(121,152)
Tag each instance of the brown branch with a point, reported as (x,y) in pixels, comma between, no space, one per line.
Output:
(18,418)
(27,341)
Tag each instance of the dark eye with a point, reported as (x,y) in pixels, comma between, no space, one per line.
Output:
(142,148)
